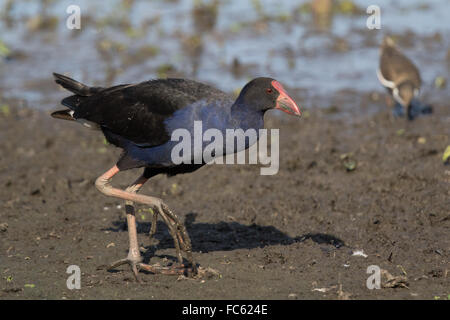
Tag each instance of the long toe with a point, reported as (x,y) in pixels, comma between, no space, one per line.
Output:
(171,270)
(134,265)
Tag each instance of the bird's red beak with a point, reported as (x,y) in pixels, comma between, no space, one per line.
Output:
(285,102)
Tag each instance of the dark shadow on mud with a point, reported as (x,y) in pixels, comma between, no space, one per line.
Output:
(225,236)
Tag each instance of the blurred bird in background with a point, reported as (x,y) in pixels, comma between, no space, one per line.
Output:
(401,78)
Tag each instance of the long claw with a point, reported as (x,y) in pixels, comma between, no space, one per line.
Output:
(176,270)
(135,272)
(118,264)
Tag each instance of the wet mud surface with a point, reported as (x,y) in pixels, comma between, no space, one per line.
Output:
(288,236)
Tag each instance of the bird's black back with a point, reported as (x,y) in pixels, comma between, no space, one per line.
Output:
(137,112)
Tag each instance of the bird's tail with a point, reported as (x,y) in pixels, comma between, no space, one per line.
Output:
(73,85)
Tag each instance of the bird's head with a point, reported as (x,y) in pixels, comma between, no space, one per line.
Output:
(263,94)
(388,42)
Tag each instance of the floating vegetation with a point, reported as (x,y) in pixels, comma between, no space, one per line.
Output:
(323,8)
(193,47)
(340,45)
(110,46)
(134,33)
(140,55)
(235,27)
(42,23)
(322,13)
(347,7)
(5,13)
(148,50)
(440,82)
(164,69)
(239,69)
(205,15)
(304,8)
(119,18)
(192,44)
(4,50)
(283,17)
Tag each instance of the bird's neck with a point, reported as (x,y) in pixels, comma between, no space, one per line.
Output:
(245,117)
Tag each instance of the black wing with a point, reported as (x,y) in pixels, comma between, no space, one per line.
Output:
(137,112)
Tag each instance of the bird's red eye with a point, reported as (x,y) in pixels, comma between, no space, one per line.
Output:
(269,90)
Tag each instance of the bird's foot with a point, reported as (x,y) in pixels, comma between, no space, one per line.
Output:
(417,109)
(180,269)
(137,265)
(178,232)
(133,262)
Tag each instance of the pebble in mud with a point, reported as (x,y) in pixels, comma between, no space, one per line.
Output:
(3,227)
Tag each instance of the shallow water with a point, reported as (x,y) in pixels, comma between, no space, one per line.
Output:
(132,41)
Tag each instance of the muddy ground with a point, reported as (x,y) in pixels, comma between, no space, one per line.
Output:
(288,236)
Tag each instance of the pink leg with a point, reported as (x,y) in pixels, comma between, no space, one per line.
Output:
(176,228)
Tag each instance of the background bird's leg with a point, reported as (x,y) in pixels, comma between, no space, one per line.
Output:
(102,184)
(389,101)
(399,110)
